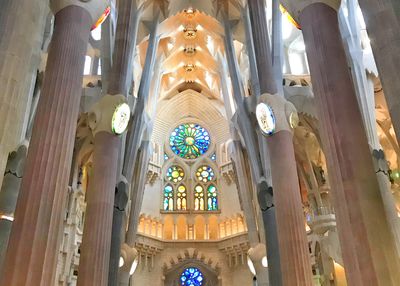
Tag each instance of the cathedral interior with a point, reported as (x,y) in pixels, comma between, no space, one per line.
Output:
(199,142)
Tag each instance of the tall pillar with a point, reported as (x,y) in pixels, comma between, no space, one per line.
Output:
(259,166)
(382,19)
(35,237)
(119,81)
(96,240)
(364,89)
(21,29)
(292,239)
(368,249)
(120,201)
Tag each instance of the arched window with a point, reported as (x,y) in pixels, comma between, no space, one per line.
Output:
(192,276)
(199,198)
(189,141)
(212,198)
(168,198)
(181,199)
(205,174)
(175,174)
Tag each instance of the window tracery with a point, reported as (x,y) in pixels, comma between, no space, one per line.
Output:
(181,201)
(192,276)
(189,141)
(175,174)
(168,198)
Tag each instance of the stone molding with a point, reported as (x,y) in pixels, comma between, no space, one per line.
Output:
(295,7)
(282,111)
(94,7)
(100,116)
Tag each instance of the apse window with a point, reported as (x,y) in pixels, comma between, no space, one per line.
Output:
(192,276)
(189,141)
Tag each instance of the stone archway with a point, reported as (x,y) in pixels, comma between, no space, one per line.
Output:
(172,275)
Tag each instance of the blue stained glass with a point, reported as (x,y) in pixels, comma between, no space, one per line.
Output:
(214,157)
(212,198)
(166,157)
(189,141)
(168,198)
(192,277)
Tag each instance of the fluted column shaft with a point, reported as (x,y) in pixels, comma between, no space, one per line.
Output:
(359,208)
(96,241)
(293,247)
(35,237)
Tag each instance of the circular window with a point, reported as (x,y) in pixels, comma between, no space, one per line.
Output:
(205,174)
(189,141)
(192,277)
(175,174)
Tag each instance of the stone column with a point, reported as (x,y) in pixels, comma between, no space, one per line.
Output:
(35,237)
(245,196)
(9,195)
(258,166)
(364,89)
(383,23)
(293,247)
(121,198)
(21,29)
(120,82)
(360,214)
(96,241)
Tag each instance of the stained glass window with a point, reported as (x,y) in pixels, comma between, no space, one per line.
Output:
(175,174)
(168,198)
(205,174)
(199,198)
(181,198)
(212,200)
(189,141)
(192,276)
(213,157)
(166,157)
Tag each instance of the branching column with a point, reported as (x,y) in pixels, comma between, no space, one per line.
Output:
(367,244)
(120,81)
(35,238)
(94,266)
(293,247)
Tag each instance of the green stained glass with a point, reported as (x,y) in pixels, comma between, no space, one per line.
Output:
(212,198)
(168,198)
(189,141)
(175,174)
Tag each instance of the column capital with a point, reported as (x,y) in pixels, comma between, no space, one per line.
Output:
(257,253)
(295,7)
(94,7)
(110,114)
(284,113)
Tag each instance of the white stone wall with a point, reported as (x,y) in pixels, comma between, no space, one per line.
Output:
(228,276)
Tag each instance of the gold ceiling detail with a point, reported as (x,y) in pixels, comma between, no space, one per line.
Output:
(189,50)
(190,32)
(189,67)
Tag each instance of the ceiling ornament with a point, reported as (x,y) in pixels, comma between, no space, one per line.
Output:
(189,67)
(189,51)
(190,32)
